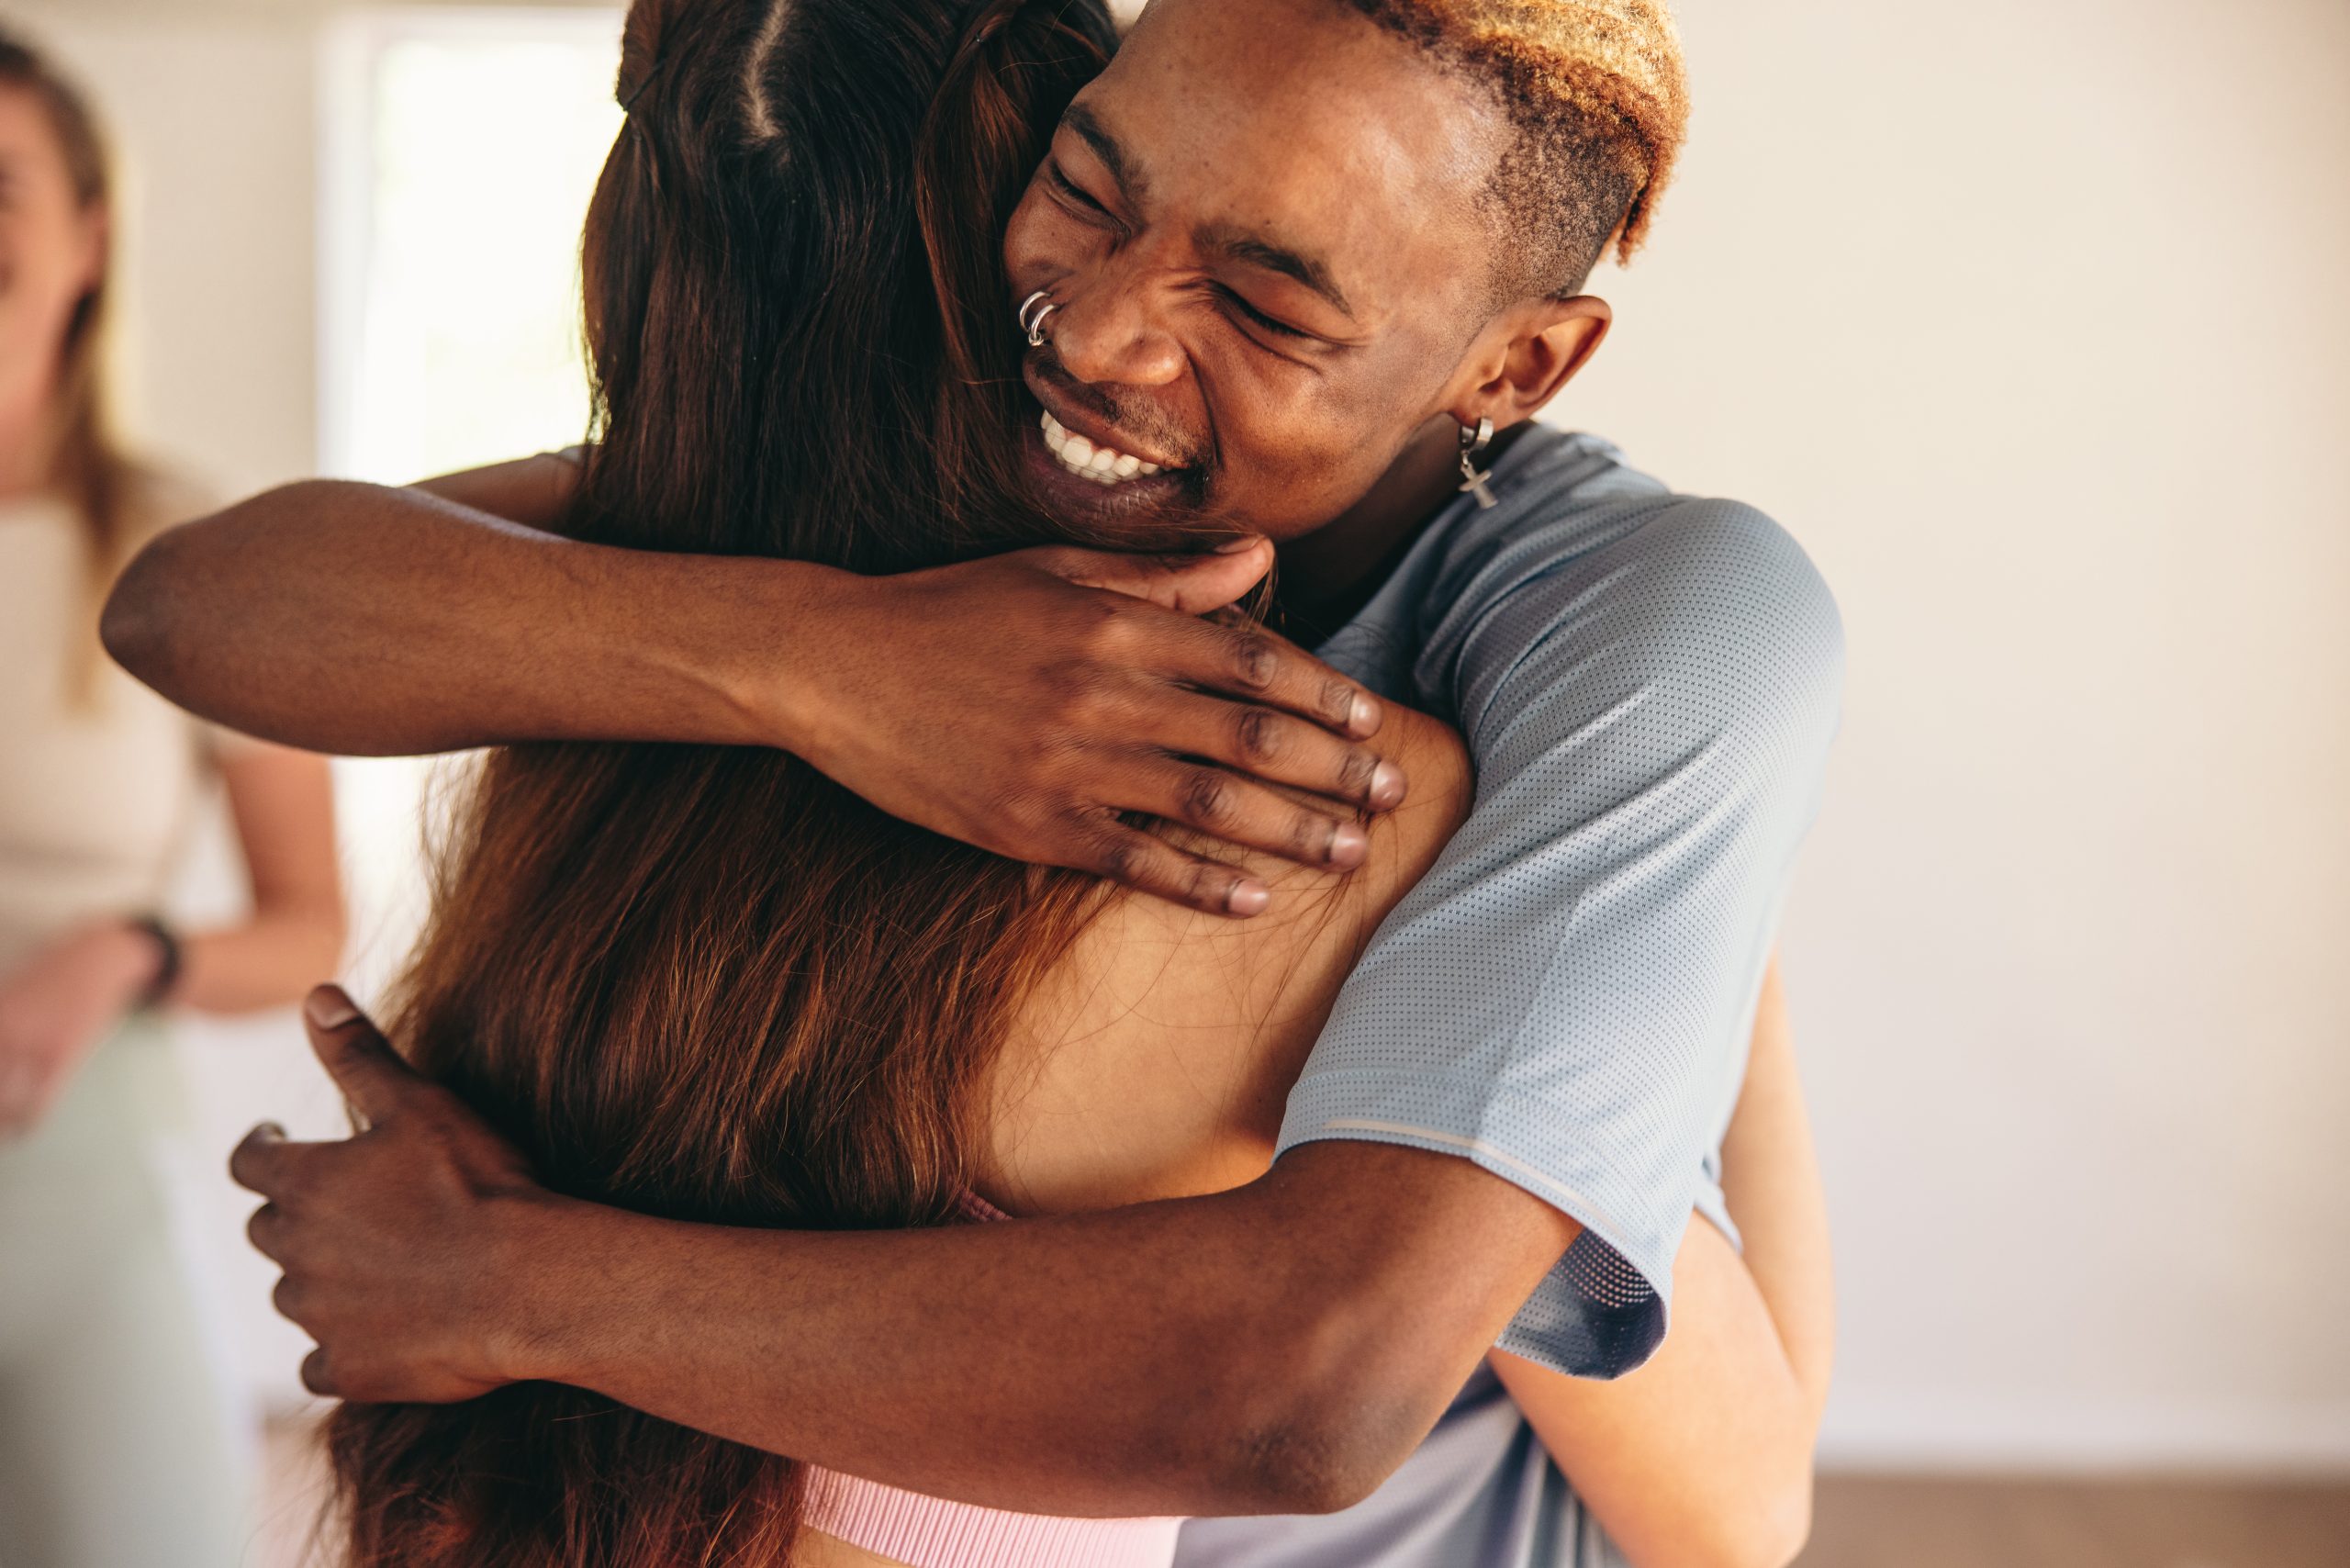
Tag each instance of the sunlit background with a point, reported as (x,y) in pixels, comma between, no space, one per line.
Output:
(2026,316)
(351,248)
(460,150)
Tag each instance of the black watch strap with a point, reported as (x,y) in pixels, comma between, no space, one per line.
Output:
(167,967)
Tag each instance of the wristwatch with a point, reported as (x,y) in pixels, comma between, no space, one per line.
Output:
(167,967)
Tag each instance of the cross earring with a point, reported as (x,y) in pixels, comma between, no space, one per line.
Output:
(1473,480)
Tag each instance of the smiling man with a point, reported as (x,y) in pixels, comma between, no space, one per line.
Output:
(1287,263)
(1228,305)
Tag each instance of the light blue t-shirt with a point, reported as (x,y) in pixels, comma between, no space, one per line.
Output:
(1648,685)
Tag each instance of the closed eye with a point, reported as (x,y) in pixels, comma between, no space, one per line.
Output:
(1280,328)
(1075,192)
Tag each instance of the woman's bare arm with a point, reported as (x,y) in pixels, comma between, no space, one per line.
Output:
(529,491)
(62,1002)
(1702,1458)
(1023,703)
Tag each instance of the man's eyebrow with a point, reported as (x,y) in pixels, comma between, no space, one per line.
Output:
(1094,134)
(1258,252)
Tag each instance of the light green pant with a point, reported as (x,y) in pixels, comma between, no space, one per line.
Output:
(120,1442)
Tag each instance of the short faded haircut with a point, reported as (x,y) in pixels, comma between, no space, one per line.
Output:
(1599,103)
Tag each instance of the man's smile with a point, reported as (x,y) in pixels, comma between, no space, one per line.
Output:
(1103,465)
(1086,465)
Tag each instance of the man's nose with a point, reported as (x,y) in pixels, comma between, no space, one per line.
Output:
(1109,332)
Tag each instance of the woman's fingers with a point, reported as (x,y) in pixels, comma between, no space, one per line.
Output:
(1267,744)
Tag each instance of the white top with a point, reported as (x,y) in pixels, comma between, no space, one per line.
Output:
(99,778)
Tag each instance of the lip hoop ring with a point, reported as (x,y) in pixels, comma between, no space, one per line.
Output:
(1034,326)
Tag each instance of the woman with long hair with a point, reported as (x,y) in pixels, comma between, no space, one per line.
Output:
(106,1381)
(709,983)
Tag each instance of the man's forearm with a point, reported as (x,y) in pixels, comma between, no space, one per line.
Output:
(1273,1349)
(366,621)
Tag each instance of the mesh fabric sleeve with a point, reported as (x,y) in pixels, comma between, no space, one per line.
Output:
(1565,998)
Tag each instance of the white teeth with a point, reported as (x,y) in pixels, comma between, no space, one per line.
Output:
(1103,465)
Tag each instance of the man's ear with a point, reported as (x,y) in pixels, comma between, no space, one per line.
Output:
(1528,353)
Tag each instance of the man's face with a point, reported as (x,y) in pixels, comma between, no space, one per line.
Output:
(1261,226)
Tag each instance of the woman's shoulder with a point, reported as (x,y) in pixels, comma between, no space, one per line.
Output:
(1439,787)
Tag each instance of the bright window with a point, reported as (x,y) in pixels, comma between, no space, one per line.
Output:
(460,150)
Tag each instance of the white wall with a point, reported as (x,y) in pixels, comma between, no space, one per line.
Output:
(2029,318)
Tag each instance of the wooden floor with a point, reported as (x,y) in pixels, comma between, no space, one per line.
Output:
(1906,1523)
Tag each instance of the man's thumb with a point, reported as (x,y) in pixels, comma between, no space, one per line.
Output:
(362,1065)
(1187,584)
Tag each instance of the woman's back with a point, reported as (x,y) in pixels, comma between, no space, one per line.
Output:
(708,983)
(1153,1059)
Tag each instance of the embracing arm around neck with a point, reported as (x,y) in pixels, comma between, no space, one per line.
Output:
(373,621)
(1021,703)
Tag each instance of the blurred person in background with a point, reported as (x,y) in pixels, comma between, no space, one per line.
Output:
(118,1443)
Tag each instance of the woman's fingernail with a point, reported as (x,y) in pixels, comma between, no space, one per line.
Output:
(1235,546)
(1248,897)
(1386,787)
(269,1132)
(329,1008)
(1362,714)
(1349,844)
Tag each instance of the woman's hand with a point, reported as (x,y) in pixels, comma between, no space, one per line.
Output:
(1023,703)
(57,1007)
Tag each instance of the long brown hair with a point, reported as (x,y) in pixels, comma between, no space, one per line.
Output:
(705,983)
(87,466)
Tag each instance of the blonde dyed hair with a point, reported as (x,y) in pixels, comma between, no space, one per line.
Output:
(1599,98)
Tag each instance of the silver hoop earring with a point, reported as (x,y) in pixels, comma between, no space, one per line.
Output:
(1034,326)
(1473,480)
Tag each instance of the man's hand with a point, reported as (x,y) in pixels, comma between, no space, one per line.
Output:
(1279,1347)
(370,1231)
(1023,703)
(57,1007)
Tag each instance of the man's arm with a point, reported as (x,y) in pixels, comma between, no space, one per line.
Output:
(1020,703)
(1702,1458)
(1280,1348)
